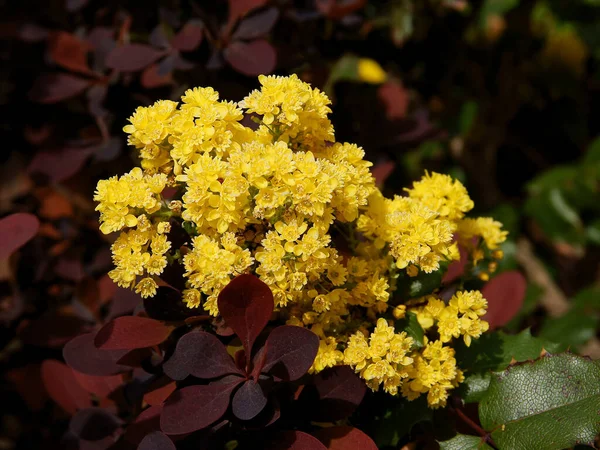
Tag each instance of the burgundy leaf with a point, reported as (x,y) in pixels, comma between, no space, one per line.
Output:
(239,8)
(202,355)
(152,79)
(132,57)
(395,98)
(189,37)
(382,170)
(339,391)
(505,295)
(246,304)
(129,332)
(69,52)
(16,230)
(256,25)
(456,269)
(248,401)
(336,9)
(82,355)
(55,87)
(31,32)
(147,422)
(59,165)
(290,352)
(63,388)
(195,407)
(158,37)
(252,58)
(156,441)
(93,424)
(101,386)
(345,437)
(75,5)
(296,440)
(159,391)
(28,383)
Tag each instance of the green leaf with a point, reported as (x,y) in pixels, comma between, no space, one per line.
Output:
(399,421)
(495,351)
(592,156)
(548,404)
(562,207)
(411,325)
(464,442)
(422,284)
(473,389)
(468,114)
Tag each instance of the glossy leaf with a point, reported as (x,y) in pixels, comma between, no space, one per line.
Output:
(248,401)
(202,355)
(505,295)
(345,437)
(295,440)
(56,87)
(290,351)
(411,325)
(246,304)
(82,355)
(256,25)
(464,442)
(551,403)
(339,391)
(189,37)
(16,230)
(62,387)
(194,408)
(252,58)
(132,57)
(93,424)
(129,332)
(156,441)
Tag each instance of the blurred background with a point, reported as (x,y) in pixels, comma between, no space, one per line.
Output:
(501,94)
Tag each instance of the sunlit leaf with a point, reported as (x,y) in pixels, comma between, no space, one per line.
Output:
(129,332)
(290,351)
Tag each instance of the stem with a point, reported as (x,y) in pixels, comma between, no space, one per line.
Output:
(467,420)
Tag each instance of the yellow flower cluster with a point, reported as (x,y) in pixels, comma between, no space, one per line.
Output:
(285,202)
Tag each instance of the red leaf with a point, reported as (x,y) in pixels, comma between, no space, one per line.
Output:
(159,391)
(151,79)
(456,269)
(296,440)
(239,8)
(202,355)
(16,230)
(82,355)
(505,295)
(395,99)
(336,9)
(129,332)
(340,391)
(55,87)
(290,352)
(248,401)
(195,407)
(189,37)
(147,422)
(63,388)
(246,304)
(257,25)
(93,424)
(156,441)
(101,386)
(69,52)
(252,58)
(345,437)
(29,385)
(382,170)
(132,57)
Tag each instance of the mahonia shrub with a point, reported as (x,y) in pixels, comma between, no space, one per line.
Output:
(287,203)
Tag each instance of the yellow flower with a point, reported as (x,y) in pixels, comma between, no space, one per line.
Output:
(370,71)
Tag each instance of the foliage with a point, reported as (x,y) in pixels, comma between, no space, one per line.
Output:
(500,95)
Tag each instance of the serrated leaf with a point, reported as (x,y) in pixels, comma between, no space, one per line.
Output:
(551,403)
(290,351)
(473,389)
(495,351)
(464,442)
